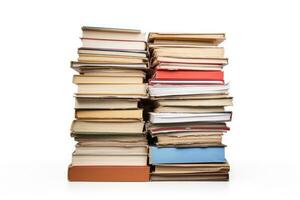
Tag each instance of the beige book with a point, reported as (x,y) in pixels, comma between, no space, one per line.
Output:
(192,168)
(84,150)
(208,38)
(101,52)
(163,59)
(96,103)
(208,52)
(109,59)
(103,127)
(115,72)
(109,114)
(207,140)
(138,140)
(188,109)
(113,89)
(121,160)
(188,133)
(113,44)
(188,66)
(180,42)
(112,33)
(93,79)
(109,96)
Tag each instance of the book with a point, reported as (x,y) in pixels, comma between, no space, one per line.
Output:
(196,102)
(191,172)
(113,89)
(110,159)
(96,79)
(187,127)
(109,173)
(169,90)
(189,109)
(189,117)
(188,75)
(176,60)
(188,52)
(112,33)
(111,140)
(204,38)
(83,67)
(109,114)
(110,150)
(165,155)
(99,103)
(113,44)
(105,127)
(112,52)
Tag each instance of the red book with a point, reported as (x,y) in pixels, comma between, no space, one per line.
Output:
(189,75)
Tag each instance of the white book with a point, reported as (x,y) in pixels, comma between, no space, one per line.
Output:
(169,90)
(189,117)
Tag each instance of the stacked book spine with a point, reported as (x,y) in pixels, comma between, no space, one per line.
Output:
(189,119)
(109,126)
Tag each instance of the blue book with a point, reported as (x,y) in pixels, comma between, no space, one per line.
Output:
(164,155)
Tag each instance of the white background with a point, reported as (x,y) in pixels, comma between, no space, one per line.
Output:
(38,40)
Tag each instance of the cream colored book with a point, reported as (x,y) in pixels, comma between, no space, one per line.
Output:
(121,160)
(104,52)
(115,72)
(85,150)
(113,89)
(205,38)
(113,44)
(112,33)
(189,109)
(164,59)
(109,59)
(203,52)
(109,114)
(94,79)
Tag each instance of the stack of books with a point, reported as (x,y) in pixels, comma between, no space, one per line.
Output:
(190,96)
(109,126)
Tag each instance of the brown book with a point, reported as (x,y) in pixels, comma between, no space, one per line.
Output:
(109,173)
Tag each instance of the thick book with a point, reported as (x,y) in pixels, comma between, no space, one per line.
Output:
(109,173)
(165,155)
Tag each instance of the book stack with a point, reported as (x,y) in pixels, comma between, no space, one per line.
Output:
(109,126)
(189,119)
